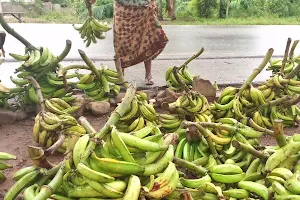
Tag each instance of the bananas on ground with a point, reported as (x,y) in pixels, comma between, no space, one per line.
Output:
(4,157)
(100,90)
(183,74)
(91,30)
(56,121)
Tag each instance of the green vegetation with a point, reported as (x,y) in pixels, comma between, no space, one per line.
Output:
(193,12)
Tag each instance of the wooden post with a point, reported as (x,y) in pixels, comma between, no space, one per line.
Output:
(159,14)
(174,10)
(227,7)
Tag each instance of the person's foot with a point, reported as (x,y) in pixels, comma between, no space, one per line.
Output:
(149,81)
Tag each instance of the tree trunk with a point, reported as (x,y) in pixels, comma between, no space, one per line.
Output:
(227,8)
(159,14)
(174,10)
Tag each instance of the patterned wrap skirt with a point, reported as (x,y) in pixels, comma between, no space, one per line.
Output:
(138,35)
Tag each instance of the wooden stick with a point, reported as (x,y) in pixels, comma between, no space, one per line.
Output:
(287,49)
(192,58)
(16,35)
(279,132)
(256,71)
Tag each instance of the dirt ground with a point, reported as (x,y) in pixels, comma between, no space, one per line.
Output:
(17,136)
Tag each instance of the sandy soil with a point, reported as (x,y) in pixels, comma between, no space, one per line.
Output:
(16,137)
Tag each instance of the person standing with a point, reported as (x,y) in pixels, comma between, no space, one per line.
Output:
(138,36)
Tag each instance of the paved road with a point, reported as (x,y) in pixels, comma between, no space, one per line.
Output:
(218,41)
(231,52)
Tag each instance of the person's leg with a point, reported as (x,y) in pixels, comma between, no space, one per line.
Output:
(148,75)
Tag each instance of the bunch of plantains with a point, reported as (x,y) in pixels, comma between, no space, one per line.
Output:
(91,30)
(53,123)
(100,89)
(140,113)
(274,99)
(4,157)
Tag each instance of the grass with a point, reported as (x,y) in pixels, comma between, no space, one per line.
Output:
(70,17)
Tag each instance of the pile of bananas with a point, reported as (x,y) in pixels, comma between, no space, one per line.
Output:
(222,160)
(4,157)
(91,30)
(139,114)
(183,74)
(55,121)
(100,90)
(248,103)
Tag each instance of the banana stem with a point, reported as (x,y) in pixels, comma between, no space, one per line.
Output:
(286,53)
(120,72)
(191,58)
(255,126)
(38,90)
(90,64)
(56,145)
(294,72)
(88,5)
(47,190)
(256,71)
(48,174)
(270,104)
(183,85)
(113,119)
(279,133)
(16,35)
(248,149)
(62,71)
(293,101)
(199,171)
(59,58)
(37,155)
(291,54)
(87,126)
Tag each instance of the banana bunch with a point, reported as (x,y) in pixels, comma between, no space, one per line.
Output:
(183,74)
(275,66)
(54,121)
(4,157)
(100,90)
(33,61)
(4,95)
(91,30)
(191,103)
(193,151)
(170,123)
(139,114)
